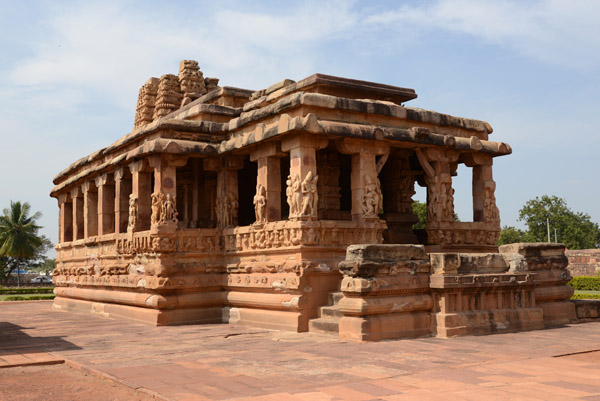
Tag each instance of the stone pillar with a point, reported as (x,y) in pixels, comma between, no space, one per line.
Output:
(141,181)
(122,192)
(106,204)
(440,194)
(77,198)
(90,209)
(195,192)
(269,176)
(65,219)
(367,199)
(164,210)
(227,202)
(302,182)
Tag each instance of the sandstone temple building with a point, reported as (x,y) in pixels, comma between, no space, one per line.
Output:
(290,208)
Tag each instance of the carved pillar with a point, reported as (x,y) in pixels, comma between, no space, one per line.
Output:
(398,186)
(227,202)
(106,204)
(367,199)
(440,194)
(302,182)
(195,192)
(65,218)
(165,189)
(122,192)
(90,209)
(269,176)
(77,198)
(139,202)
(484,188)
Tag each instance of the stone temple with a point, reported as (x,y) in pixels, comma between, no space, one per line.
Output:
(291,208)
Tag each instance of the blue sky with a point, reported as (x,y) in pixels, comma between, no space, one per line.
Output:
(71,71)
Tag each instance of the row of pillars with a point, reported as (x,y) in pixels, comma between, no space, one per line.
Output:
(102,205)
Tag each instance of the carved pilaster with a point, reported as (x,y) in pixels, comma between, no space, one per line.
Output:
(301,191)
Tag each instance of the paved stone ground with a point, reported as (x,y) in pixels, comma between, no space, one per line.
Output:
(222,362)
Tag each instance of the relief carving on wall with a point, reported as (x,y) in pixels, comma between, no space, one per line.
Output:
(302,196)
(490,210)
(133,212)
(260,204)
(227,210)
(163,209)
(372,200)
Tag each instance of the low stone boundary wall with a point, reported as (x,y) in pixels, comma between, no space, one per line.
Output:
(584,262)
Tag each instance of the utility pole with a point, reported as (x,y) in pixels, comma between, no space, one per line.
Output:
(555,241)
(548,227)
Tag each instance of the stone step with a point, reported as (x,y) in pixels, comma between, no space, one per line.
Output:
(335,297)
(324,325)
(330,311)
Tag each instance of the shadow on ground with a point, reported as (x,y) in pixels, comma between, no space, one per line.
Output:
(15,340)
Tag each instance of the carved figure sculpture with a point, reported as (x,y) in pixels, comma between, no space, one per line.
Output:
(309,195)
(260,203)
(232,210)
(296,205)
(133,212)
(371,199)
(490,210)
(163,209)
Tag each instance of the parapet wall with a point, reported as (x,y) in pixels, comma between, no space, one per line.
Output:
(584,262)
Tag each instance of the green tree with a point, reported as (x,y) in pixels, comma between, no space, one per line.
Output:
(511,235)
(574,229)
(420,209)
(19,237)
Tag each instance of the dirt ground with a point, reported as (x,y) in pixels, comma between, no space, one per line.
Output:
(61,382)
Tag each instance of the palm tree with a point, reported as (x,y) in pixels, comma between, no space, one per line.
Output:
(18,233)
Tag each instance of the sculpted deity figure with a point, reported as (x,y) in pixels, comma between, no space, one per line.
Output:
(490,209)
(260,203)
(371,199)
(296,196)
(156,208)
(289,193)
(309,195)
(133,211)
(232,210)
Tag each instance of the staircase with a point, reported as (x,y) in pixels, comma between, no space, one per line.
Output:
(329,316)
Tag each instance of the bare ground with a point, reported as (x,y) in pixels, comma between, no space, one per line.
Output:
(61,382)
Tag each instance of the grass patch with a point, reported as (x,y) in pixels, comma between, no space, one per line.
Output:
(26,297)
(585,296)
(26,290)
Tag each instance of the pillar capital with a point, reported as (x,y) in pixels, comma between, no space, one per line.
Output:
(119,173)
(270,149)
(62,198)
(303,140)
(88,186)
(102,180)
(140,166)
(75,192)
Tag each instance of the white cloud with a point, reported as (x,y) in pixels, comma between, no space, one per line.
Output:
(554,31)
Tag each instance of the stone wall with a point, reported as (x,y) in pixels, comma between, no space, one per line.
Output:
(584,262)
